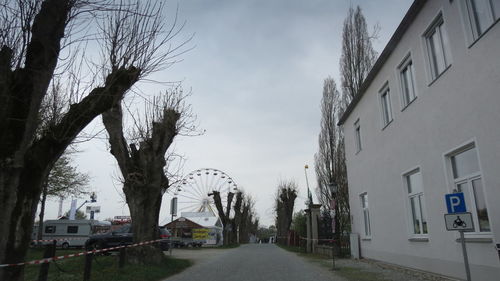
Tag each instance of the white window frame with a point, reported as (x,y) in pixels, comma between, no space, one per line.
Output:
(470,19)
(403,66)
(357,136)
(437,26)
(365,213)
(385,105)
(422,206)
(452,183)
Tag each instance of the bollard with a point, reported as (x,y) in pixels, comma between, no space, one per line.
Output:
(333,255)
(121,261)
(88,266)
(50,251)
(498,250)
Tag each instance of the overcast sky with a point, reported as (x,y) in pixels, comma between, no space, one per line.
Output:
(256,74)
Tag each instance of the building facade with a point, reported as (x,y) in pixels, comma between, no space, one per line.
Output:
(427,123)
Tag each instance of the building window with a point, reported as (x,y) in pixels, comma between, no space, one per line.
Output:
(467,179)
(437,47)
(407,82)
(417,211)
(72,229)
(481,15)
(357,136)
(385,101)
(50,229)
(366,214)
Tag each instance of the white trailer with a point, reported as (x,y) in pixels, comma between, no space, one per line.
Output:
(70,233)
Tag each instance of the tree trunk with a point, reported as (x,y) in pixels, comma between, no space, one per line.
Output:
(42,212)
(144,203)
(244,224)
(20,223)
(235,222)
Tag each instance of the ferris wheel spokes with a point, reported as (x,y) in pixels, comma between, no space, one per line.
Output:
(193,190)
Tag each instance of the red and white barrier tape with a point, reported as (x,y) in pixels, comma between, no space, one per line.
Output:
(46,260)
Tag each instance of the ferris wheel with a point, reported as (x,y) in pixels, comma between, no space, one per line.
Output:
(192,191)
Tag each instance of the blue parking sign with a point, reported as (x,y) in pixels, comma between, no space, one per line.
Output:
(455,203)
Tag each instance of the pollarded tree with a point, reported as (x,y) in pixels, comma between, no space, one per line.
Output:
(245,219)
(224,215)
(142,161)
(284,204)
(238,223)
(249,223)
(33,36)
(236,220)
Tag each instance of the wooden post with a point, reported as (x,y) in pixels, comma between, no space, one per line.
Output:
(50,251)
(88,266)
(121,261)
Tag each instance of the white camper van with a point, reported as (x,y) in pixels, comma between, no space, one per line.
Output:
(71,233)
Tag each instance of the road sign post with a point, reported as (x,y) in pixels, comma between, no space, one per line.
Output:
(459,220)
(466,258)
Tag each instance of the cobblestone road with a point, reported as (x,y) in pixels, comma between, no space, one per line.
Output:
(253,262)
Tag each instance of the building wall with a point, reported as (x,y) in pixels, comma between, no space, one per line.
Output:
(461,106)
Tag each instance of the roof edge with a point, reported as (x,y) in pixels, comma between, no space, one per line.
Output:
(410,15)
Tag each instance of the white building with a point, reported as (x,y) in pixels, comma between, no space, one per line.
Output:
(207,220)
(426,123)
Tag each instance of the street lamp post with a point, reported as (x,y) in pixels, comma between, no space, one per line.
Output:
(309,195)
(333,207)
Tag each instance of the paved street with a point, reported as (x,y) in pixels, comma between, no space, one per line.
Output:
(251,262)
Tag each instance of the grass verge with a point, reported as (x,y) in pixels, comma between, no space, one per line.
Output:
(104,268)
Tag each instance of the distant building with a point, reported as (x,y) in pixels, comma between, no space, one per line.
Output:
(184,226)
(426,123)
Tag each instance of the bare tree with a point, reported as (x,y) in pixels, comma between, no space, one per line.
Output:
(358,54)
(330,166)
(244,221)
(284,204)
(236,220)
(224,215)
(357,59)
(33,34)
(249,222)
(142,163)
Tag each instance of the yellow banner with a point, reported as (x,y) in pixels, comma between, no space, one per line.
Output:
(201,233)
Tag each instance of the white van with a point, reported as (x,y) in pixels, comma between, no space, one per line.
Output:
(71,233)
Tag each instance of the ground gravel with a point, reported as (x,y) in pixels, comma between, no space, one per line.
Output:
(250,262)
